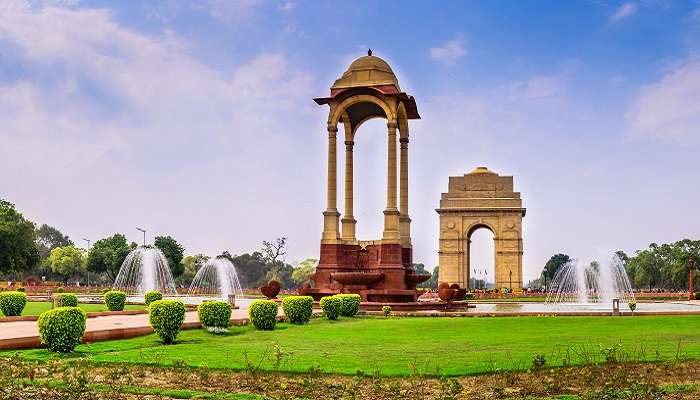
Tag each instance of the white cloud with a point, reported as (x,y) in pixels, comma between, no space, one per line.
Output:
(626,10)
(114,126)
(671,106)
(538,88)
(450,52)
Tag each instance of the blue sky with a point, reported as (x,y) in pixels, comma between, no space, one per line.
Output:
(195,118)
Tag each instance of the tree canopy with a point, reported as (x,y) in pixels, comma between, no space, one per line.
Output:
(18,250)
(107,255)
(173,252)
(663,266)
(190,266)
(67,261)
(48,238)
(304,270)
(555,262)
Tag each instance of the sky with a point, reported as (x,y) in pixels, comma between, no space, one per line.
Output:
(195,119)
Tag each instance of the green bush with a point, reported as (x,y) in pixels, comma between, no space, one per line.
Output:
(21,289)
(61,328)
(12,303)
(469,296)
(60,289)
(152,296)
(298,309)
(351,304)
(65,300)
(697,295)
(115,300)
(214,314)
(263,314)
(331,306)
(105,290)
(386,310)
(166,318)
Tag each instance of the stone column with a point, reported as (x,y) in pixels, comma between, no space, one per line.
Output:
(348,221)
(391,214)
(331,215)
(404,219)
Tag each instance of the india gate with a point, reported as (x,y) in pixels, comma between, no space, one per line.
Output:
(381,270)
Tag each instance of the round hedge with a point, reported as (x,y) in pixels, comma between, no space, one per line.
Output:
(65,300)
(115,300)
(60,289)
(331,306)
(263,314)
(12,303)
(214,314)
(61,328)
(386,310)
(152,296)
(351,304)
(166,318)
(298,309)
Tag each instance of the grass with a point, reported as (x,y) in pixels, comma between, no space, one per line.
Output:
(38,307)
(402,346)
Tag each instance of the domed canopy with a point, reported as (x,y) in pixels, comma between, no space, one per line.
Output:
(481,170)
(367,71)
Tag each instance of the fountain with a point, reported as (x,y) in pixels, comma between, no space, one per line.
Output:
(578,284)
(218,278)
(143,270)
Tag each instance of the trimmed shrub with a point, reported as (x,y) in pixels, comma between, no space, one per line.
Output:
(166,318)
(61,328)
(60,289)
(216,314)
(152,296)
(65,300)
(697,295)
(105,290)
(331,306)
(115,300)
(351,304)
(263,314)
(12,303)
(386,310)
(298,309)
(21,289)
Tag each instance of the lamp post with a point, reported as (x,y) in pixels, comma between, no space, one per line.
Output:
(510,280)
(144,235)
(691,265)
(88,271)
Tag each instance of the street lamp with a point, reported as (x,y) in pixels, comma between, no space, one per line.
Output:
(545,279)
(510,280)
(691,265)
(144,235)
(88,271)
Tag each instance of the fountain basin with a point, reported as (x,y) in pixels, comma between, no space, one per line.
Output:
(357,278)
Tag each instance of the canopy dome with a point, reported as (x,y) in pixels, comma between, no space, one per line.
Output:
(367,71)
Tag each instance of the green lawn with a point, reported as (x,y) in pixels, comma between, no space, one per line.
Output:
(38,307)
(459,346)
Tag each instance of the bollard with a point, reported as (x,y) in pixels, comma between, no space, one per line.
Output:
(616,306)
(232,300)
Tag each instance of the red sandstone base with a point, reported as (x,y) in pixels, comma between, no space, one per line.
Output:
(381,273)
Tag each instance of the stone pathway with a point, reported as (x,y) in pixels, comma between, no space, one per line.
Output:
(25,334)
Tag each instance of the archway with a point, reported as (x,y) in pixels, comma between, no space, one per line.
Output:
(477,199)
(481,257)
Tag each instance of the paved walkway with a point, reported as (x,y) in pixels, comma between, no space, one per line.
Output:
(25,334)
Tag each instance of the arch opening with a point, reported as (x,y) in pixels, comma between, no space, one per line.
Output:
(481,260)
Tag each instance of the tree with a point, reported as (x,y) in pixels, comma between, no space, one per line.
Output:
(433,281)
(251,268)
(555,262)
(191,264)
(173,252)
(67,261)
(304,270)
(107,255)
(48,238)
(273,251)
(18,250)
